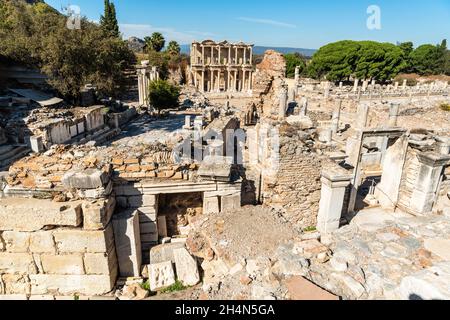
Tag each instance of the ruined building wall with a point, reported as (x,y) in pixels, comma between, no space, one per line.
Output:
(296,186)
(50,248)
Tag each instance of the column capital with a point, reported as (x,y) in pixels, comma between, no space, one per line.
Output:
(433,159)
(336,179)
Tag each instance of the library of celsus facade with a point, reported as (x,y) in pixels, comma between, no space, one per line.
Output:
(221,67)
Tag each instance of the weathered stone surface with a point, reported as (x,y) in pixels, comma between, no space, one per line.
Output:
(439,247)
(42,242)
(164,252)
(96,215)
(87,179)
(14,283)
(231,202)
(33,214)
(338,264)
(354,287)
(161,275)
(301,289)
(71,284)
(17,262)
(128,243)
(16,241)
(64,264)
(101,263)
(82,241)
(186,267)
(428,284)
(13,297)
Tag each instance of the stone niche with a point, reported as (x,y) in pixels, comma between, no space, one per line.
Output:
(49,248)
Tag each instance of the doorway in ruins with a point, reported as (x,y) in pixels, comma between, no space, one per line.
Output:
(370,165)
(179,210)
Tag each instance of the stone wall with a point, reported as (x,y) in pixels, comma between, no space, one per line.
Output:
(410,175)
(50,248)
(296,186)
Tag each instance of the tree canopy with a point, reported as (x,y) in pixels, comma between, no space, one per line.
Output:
(108,20)
(173,48)
(37,36)
(292,61)
(154,43)
(373,60)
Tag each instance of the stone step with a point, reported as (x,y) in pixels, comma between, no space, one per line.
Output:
(13,156)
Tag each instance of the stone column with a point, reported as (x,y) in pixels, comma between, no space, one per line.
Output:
(365,85)
(187,122)
(331,201)
(251,55)
(362,115)
(341,84)
(431,169)
(219,49)
(297,75)
(405,82)
(355,86)
(396,86)
(304,110)
(327,91)
(236,58)
(202,89)
(283,103)
(393,114)
(336,117)
(245,56)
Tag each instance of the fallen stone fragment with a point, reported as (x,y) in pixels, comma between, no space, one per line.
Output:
(186,267)
(301,289)
(161,276)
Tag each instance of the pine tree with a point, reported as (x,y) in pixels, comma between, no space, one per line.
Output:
(108,21)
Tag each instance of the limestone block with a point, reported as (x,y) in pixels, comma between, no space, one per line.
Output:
(161,275)
(87,179)
(82,241)
(186,267)
(162,226)
(164,252)
(36,144)
(17,263)
(16,241)
(13,297)
(211,205)
(33,214)
(128,243)
(96,215)
(14,284)
(101,263)
(98,193)
(148,227)
(64,264)
(42,242)
(149,200)
(71,284)
(231,203)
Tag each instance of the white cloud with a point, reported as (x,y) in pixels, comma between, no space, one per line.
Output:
(144,30)
(268,21)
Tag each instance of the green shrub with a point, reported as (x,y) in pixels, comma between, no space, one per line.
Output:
(177,286)
(445,107)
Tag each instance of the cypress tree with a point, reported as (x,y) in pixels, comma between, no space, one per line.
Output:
(108,21)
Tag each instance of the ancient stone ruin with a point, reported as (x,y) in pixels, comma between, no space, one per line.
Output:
(297,189)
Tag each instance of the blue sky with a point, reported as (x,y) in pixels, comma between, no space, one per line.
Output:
(283,23)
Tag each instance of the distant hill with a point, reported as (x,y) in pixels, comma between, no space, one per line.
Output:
(186,48)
